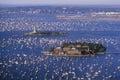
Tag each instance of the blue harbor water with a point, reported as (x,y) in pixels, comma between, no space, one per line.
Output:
(21,57)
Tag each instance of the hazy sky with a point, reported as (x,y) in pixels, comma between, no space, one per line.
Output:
(61,2)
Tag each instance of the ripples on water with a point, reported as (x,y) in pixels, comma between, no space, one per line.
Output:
(21,57)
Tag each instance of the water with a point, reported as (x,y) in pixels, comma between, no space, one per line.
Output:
(21,57)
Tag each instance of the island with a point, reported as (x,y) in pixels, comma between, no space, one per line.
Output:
(77,49)
(44,33)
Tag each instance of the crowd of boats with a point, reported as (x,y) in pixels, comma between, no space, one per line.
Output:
(31,66)
(43,23)
(21,57)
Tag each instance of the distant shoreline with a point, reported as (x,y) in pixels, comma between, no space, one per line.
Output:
(54,5)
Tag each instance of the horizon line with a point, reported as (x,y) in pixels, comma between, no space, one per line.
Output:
(25,5)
